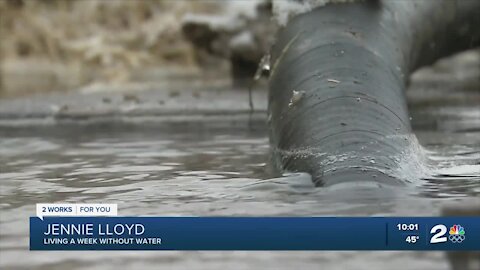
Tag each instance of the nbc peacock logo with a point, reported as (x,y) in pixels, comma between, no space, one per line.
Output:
(456,234)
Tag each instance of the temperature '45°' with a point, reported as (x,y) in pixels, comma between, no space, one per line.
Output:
(412,239)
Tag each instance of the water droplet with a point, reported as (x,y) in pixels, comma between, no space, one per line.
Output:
(333,81)
(359,99)
(296,97)
(339,53)
(263,67)
(374,176)
(372,161)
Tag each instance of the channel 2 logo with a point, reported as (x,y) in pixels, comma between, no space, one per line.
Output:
(456,234)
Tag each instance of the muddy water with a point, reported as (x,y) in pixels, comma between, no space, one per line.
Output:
(219,168)
(203,169)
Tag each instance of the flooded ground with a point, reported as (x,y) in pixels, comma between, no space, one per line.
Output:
(219,168)
(197,169)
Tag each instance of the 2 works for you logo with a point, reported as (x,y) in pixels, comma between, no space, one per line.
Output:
(75,210)
(456,234)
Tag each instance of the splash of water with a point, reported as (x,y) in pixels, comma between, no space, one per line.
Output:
(410,165)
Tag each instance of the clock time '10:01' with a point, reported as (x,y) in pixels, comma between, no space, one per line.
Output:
(407,227)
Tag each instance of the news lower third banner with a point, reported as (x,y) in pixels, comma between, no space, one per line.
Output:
(101,230)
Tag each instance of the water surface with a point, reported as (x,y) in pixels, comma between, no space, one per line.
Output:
(202,169)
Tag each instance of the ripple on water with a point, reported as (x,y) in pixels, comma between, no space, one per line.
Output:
(219,173)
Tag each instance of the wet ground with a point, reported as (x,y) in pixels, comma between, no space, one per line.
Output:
(215,164)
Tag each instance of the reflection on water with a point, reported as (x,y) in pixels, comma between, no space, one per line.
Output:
(195,169)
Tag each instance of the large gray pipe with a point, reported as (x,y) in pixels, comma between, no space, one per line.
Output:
(337,106)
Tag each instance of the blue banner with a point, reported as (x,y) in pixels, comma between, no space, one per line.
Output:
(255,233)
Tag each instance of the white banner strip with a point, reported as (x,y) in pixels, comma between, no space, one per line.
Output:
(78,209)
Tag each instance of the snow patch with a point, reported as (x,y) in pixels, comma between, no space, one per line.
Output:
(284,10)
(232,16)
(244,39)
